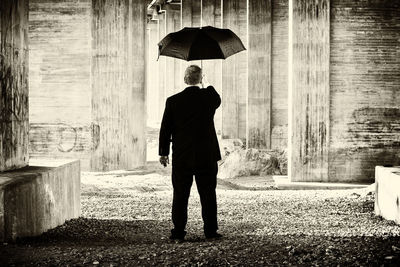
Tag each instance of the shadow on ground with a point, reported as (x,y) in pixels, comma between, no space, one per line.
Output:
(144,243)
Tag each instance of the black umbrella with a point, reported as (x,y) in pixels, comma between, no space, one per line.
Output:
(200,43)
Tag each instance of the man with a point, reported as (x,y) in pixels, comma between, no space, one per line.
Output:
(189,120)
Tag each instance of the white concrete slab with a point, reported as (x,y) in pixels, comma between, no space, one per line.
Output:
(283,182)
(387,197)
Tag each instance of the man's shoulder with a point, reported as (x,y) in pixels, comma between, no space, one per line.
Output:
(174,97)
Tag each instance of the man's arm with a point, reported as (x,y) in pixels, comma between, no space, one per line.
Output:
(215,98)
(165,131)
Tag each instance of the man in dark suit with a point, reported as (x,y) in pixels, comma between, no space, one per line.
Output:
(189,120)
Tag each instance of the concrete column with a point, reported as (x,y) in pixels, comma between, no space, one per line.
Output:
(308,90)
(172,20)
(234,73)
(153,107)
(14,114)
(162,67)
(259,74)
(190,13)
(118,83)
(190,17)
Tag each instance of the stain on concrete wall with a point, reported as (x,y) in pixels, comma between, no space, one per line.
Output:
(60,93)
(14,116)
(364,88)
(62,140)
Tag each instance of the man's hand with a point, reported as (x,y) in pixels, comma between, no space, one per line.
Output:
(164,160)
(204,82)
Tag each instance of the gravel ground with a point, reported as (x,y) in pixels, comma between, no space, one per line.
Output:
(126,221)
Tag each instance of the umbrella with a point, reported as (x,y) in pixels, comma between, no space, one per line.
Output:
(200,43)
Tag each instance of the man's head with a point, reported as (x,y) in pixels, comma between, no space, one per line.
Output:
(193,75)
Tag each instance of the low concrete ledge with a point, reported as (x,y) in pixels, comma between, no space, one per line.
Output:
(387,196)
(283,182)
(39,197)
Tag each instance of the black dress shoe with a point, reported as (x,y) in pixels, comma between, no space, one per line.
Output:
(213,235)
(177,236)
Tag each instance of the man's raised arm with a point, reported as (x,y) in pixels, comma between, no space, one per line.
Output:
(215,98)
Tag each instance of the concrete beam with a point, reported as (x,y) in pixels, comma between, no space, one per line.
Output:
(309,90)
(14,109)
(259,74)
(234,73)
(118,83)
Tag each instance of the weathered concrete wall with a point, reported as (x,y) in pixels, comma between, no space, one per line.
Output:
(259,74)
(37,198)
(14,66)
(309,90)
(279,86)
(364,88)
(118,83)
(59,80)
(234,73)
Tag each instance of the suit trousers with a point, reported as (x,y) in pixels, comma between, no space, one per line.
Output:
(206,181)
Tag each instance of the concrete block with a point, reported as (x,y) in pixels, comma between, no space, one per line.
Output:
(39,197)
(387,196)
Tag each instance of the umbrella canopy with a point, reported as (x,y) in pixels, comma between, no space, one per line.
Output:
(200,43)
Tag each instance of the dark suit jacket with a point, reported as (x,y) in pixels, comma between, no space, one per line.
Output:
(189,120)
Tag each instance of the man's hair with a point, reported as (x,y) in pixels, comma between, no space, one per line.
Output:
(192,75)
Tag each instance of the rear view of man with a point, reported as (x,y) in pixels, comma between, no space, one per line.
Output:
(188,122)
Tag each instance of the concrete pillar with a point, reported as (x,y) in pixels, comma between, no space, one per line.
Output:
(162,67)
(190,13)
(172,20)
(190,17)
(14,114)
(259,71)
(234,73)
(118,83)
(279,75)
(308,90)
(153,107)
